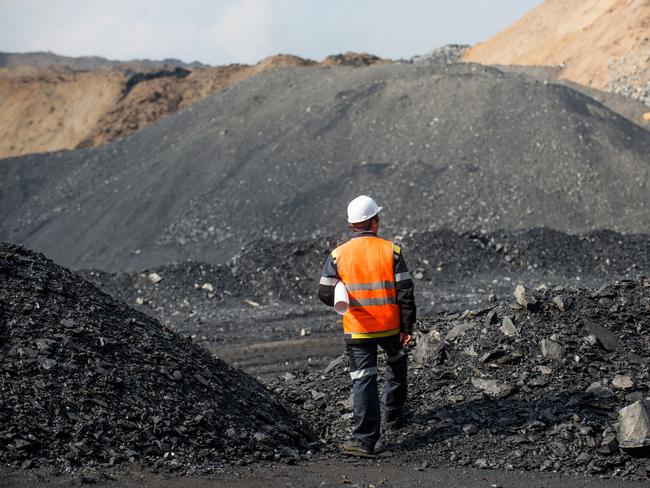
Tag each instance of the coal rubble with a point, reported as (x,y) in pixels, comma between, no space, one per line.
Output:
(86,380)
(242,300)
(448,54)
(542,393)
(452,270)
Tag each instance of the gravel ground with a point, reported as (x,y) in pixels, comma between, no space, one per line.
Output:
(535,384)
(396,473)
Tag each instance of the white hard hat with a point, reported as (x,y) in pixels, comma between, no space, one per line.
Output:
(362,208)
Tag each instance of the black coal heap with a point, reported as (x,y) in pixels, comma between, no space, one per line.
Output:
(455,146)
(85,380)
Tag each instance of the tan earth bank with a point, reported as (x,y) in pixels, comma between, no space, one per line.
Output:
(50,102)
(53,108)
(604,44)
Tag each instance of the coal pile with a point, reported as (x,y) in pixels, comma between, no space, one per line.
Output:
(86,380)
(482,266)
(453,271)
(267,281)
(455,146)
(533,384)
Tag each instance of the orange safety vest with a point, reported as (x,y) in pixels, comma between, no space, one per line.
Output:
(365,265)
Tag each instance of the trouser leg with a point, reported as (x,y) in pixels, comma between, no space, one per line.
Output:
(367,413)
(396,376)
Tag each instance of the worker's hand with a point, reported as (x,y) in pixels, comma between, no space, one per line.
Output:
(405,339)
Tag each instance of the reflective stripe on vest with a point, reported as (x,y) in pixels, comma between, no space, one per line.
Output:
(365,265)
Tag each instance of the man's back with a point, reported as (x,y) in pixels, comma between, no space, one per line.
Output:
(381,314)
(366,266)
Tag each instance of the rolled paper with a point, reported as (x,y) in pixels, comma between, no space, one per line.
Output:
(341,299)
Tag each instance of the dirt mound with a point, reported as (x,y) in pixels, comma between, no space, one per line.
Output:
(512,387)
(47,104)
(87,380)
(51,109)
(489,150)
(153,99)
(599,43)
(280,61)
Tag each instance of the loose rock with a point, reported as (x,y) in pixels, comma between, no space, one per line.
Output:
(498,398)
(597,389)
(508,328)
(604,337)
(155,278)
(552,349)
(525,299)
(622,382)
(634,430)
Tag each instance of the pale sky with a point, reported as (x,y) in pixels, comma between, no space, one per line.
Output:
(227,31)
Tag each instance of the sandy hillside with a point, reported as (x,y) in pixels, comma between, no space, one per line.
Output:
(150,100)
(600,43)
(47,110)
(54,107)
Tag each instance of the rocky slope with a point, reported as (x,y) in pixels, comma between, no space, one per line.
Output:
(603,44)
(52,109)
(533,384)
(49,102)
(458,146)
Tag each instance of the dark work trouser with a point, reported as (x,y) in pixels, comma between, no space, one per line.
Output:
(363,371)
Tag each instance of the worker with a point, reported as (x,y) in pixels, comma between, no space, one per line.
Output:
(381,313)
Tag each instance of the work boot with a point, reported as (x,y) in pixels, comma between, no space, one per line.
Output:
(353,447)
(396,419)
